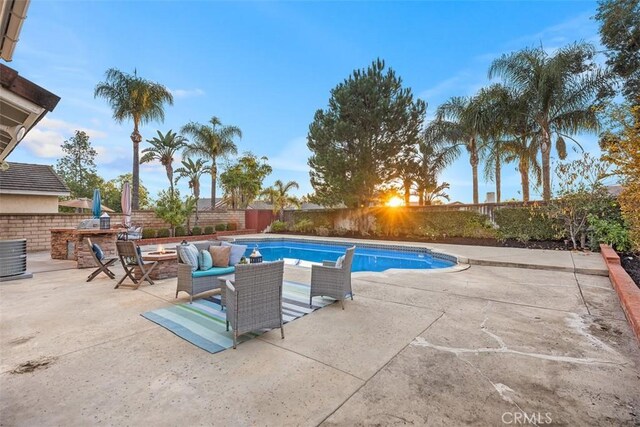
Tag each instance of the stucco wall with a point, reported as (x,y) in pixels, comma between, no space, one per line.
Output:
(20,203)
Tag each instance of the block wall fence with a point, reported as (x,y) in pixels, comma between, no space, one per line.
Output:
(35,227)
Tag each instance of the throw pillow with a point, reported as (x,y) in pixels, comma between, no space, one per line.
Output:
(340,261)
(205,261)
(220,255)
(98,251)
(189,255)
(237,252)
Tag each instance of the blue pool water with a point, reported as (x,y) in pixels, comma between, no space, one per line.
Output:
(365,259)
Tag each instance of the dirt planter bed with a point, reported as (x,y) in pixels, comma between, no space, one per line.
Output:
(627,290)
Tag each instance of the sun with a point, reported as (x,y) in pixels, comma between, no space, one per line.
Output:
(395,201)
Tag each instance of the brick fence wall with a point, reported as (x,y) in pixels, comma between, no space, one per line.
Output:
(35,227)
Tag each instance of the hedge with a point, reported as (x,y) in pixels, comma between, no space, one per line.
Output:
(163,232)
(180,231)
(221,227)
(400,222)
(149,233)
(208,229)
(527,223)
(196,231)
(314,219)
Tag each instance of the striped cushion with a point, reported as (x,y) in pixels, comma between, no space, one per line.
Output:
(189,255)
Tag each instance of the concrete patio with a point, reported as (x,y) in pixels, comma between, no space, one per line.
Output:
(478,346)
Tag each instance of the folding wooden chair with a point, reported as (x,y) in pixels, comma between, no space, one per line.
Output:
(130,258)
(103,264)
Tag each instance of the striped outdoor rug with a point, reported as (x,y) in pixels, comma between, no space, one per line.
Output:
(203,323)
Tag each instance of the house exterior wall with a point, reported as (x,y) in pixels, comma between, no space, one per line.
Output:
(23,203)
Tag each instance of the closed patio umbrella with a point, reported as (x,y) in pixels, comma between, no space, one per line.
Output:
(125,200)
(96,208)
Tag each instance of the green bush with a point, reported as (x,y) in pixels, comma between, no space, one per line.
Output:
(149,233)
(527,223)
(196,231)
(322,231)
(317,218)
(163,232)
(221,227)
(304,225)
(232,226)
(209,229)
(611,232)
(278,226)
(180,231)
(402,222)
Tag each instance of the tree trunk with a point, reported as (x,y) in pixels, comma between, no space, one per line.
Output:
(169,170)
(523,167)
(498,178)
(546,165)
(135,191)
(214,172)
(421,197)
(407,192)
(473,159)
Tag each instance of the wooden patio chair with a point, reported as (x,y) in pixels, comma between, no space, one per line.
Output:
(103,264)
(130,258)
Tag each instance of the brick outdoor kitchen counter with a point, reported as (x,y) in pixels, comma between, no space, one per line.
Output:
(70,243)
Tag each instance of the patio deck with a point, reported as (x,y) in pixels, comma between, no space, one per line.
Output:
(471,347)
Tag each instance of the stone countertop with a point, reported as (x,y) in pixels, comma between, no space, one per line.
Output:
(86,230)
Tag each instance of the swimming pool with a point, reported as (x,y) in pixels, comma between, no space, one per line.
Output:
(368,257)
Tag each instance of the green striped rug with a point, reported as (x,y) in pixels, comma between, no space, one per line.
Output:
(203,323)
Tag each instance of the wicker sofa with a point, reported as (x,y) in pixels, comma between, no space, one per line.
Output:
(195,282)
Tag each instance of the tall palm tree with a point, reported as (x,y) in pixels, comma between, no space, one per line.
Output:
(524,151)
(141,101)
(561,90)
(164,148)
(463,122)
(211,141)
(193,171)
(278,195)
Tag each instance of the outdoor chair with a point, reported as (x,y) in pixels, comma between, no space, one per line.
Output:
(254,299)
(103,264)
(130,233)
(130,258)
(333,281)
(195,282)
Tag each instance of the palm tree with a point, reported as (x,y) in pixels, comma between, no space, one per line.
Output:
(138,99)
(211,141)
(463,122)
(524,151)
(561,90)
(278,196)
(432,158)
(163,148)
(193,171)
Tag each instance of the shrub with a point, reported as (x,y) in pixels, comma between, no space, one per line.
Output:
(340,231)
(180,231)
(322,231)
(613,233)
(527,223)
(232,226)
(278,226)
(221,227)
(400,222)
(149,233)
(196,231)
(163,232)
(304,225)
(208,229)
(317,218)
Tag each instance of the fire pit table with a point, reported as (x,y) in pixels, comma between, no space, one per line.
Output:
(167,264)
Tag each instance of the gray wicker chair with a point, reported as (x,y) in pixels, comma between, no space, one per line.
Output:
(195,285)
(254,300)
(329,281)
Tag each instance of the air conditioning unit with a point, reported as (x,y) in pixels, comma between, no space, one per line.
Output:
(13,259)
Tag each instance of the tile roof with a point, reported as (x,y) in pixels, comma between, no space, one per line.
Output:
(23,178)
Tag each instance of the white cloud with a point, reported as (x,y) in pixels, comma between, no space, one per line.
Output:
(293,156)
(46,138)
(186,93)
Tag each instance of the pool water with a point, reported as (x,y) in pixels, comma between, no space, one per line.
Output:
(365,258)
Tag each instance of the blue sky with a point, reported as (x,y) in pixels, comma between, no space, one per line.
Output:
(268,66)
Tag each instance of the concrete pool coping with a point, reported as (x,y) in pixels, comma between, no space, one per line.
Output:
(538,259)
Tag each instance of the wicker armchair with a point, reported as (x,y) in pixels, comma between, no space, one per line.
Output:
(254,300)
(329,281)
(195,285)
